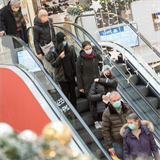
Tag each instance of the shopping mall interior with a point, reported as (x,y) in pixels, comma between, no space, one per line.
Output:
(37,120)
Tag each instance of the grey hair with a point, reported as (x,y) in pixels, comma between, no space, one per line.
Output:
(114,93)
(14,2)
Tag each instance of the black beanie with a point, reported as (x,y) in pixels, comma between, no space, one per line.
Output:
(60,37)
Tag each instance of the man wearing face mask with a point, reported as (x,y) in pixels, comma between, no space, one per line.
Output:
(138,139)
(114,117)
(12,21)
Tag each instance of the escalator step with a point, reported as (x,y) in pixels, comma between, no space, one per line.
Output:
(86,117)
(82,105)
(154,101)
(122,67)
(85,136)
(132,93)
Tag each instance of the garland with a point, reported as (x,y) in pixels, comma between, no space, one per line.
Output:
(80,8)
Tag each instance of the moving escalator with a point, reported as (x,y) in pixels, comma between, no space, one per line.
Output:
(134,95)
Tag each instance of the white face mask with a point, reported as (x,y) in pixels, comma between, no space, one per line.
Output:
(88,52)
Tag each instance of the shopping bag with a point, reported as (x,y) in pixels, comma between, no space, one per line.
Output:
(113,155)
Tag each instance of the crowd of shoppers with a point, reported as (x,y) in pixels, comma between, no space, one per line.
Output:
(124,133)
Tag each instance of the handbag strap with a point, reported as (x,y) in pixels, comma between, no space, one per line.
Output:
(50,30)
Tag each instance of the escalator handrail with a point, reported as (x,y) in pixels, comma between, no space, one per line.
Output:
(62,95)
(130,25)
(118,69)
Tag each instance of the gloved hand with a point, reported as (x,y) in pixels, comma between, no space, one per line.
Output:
(49,56)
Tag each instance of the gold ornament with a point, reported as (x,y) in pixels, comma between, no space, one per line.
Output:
(81,9)
(57,131)
(83,157)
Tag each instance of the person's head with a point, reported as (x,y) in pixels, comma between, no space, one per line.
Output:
(115,99)
(61,44)
(43,15)
(15,5)
(133,121)
(86,47)
(106,73)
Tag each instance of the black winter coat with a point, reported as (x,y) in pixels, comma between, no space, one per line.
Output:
(42,34)
(56,61)
(99,89)
(87,70)
(8,23)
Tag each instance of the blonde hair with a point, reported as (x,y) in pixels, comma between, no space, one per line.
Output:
(41,13)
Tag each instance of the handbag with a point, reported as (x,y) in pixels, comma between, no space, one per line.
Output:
(47,47)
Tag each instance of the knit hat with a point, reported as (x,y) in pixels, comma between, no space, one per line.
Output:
(106,67)
(60,37)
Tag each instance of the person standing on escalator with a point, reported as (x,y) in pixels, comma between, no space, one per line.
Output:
(44,34)
(99,94)
(12,21)
(89,63)
(63,58)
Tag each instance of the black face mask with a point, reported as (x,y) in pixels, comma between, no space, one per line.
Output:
(108,75)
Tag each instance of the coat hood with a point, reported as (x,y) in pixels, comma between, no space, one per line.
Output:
(148,124)
(38,22)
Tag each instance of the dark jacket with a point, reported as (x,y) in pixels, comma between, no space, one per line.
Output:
(57,62)
(144,147)
(112,123)
(87,70)
(42,34)
(8,23)
(99,89)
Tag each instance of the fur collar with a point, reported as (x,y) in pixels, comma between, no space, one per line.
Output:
(148,124)
(112,110)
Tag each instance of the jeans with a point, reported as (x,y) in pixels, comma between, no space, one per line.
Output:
(118,147)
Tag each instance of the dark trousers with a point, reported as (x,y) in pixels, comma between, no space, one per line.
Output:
(68,89)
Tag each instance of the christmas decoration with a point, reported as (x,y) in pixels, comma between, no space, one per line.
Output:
(96,5)
(5,129)
(28,135)
(14,147)
(114,54)
(57,131)
(78,9)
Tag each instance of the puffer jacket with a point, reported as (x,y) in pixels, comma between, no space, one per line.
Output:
(99,89)
(56,61)
(87,70)
(144,147)
(42,34)
(112,123)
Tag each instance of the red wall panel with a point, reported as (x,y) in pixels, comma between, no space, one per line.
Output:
(18,106)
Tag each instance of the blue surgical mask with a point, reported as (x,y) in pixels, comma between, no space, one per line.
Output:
(88,52)
(117,104)
(132,126)
(64,44)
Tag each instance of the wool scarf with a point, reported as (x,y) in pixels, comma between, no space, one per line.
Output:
(20,21)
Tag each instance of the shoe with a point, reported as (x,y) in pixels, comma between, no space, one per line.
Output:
(98,125)
(54,3)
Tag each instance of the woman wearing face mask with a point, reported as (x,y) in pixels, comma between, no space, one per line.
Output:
(99,94)
(88,65)
(43,34)
(63,58)
(138,140)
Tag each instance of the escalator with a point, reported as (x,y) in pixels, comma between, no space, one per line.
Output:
(83,122)
(82,125)
(144,101)
(133,92)
(149,94)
